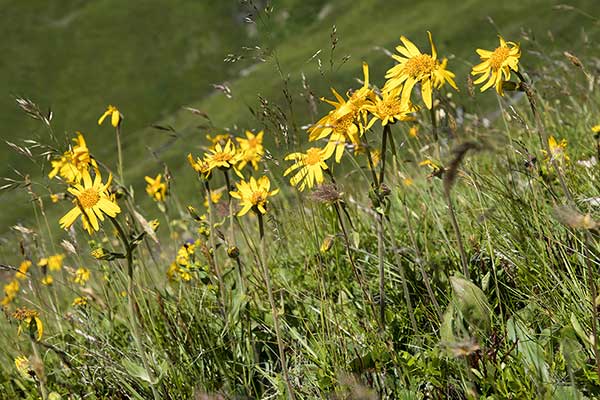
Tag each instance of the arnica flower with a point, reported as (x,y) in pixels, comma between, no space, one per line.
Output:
(10,292)
(558,151)
(23,366)
(79,301)
(251,149)
(23,268)
(215,196)
(73,162)
(47,280)
(413,132)
(92,201)
(223,157)
(496,65)
(27,317)
(53,263)
(309,168)
(155,188)
(200,166)
(220,138)
(115,116)
(176,272)
(436,169)
(346,122)
(596,128)
(82,275)
(415,67)
(254,195)
(389,108)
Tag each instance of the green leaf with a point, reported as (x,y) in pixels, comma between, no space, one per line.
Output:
(471,302)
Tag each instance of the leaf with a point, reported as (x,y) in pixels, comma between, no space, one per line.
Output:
(137,371)
(471,302)
(531,352)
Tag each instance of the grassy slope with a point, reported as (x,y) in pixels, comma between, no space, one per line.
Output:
(170,54)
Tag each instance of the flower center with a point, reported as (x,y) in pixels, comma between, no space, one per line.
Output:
(88,198)
(419,65)
(313,156)
(222,157)
(498,57)
(252,143)
(389,108)
(258,198)
(343,124)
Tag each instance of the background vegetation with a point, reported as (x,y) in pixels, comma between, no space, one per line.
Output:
(520,327)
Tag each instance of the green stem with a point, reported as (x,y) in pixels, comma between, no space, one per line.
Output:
(213,245)
(120,155)
(267,277)
(230,204)
(131,305)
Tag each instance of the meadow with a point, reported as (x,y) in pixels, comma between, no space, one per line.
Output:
(296,208)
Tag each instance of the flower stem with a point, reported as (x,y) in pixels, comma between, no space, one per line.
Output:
(267,277)
(120,155)
(131,305)
(230,204)
(213,245)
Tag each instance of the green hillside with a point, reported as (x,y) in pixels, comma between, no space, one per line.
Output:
(153,58)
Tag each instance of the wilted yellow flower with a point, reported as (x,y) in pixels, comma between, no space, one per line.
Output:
(496,65)
(54,198)
(309,168)
(327,243)
(557,150)
(596,128)
(92,201)
(73,162)
(436,169)
(215,196)
(82,275)
(415,67)
(251,149)
(155,188)
(407,181)
(389,108)
(47,280)
(223,157)
(23,366)
(10,292)
(115,116)
(200,166)
(27,317)
(23,268)
(79,301)
(254,195)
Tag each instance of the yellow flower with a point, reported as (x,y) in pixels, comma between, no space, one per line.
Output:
(10,292)
(436,169)
(27,317)
(558,150)
(327,243)
(92,200)
(389,108)
(496,65)
(253,195)
(407,181)
(375,157)
(413,131)
(23,268)
(155,188)
(223,157)
(415,67)
(82,275)
(54,197)
(73,162)
(221,139)
(251,149)
(215,196)
(309,166)
(115,116)
(53,263)
(200,166)
(47,280)
(346,122)
(596,128)
(23,366)
(79,301)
